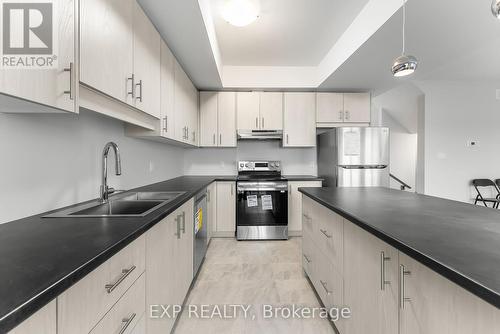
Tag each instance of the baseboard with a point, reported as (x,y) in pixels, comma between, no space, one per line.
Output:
(294,233)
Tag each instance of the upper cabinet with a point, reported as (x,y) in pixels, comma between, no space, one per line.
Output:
(299,120)
(218,119)
(123,31)
(271,111)
(107,25)
(52,88)
(167,88)
(147,65)
(186,107)
(333,108)
(260,110)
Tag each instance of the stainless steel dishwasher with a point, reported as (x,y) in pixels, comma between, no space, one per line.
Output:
(200,229)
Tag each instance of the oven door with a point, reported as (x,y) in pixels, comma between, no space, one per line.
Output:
(262,210)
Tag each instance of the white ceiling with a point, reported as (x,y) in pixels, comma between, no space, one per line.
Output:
(287,32)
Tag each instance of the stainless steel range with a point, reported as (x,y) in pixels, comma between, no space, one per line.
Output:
(262,201)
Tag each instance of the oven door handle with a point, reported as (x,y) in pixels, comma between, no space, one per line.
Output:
(242,190)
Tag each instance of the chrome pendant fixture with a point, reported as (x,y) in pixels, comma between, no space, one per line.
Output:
(405,64)
(495,8)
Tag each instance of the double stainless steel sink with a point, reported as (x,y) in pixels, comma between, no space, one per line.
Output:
(128,204)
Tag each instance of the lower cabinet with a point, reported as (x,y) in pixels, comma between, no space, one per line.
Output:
(295,205)
(43,322)
(169,266)
(85,304)
(225,225)
(387,291)
(212,209)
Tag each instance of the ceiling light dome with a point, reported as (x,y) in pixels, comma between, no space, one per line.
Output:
(495,8)
(240,12)
(405,64)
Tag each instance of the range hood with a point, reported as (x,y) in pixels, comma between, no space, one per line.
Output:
(260,134)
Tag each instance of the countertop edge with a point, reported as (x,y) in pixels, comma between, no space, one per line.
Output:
(21,313)
(463,281)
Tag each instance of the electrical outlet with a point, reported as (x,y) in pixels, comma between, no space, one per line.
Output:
(151,166)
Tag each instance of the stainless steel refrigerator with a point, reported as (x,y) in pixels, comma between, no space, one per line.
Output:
(354,157)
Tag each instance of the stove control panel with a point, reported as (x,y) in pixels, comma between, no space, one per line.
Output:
(259,166)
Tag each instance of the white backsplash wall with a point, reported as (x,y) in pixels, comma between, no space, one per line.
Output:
(222,161)
(53,160)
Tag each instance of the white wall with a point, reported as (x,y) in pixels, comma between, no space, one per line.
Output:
(455,113)
(53,160)
(207,161)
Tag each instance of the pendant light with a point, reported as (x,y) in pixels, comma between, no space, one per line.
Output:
(495,8)
(405,64)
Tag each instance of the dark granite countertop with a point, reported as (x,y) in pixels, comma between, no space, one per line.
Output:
(41,257)
(460,241)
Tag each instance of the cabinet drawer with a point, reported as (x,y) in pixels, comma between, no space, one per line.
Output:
(329,282)
(308,255)
(127,313)
(82,306)
(329,236)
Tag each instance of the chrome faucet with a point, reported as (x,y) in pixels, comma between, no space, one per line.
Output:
(105,191)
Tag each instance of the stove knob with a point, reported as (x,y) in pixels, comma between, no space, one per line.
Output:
(247,165)
(277,164)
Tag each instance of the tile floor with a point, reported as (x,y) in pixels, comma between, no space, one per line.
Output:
(252,273)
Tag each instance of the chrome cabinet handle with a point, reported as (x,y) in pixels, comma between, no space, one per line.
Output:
(178,221)
(187,132)
(287,138)
(140,90)
(132,87)
(326,235)
(290,189)
(347,114)
(70,91)
(208,195)
(183,222)
(126,322)
(306,217)
(214,139)
(194,136)
(220,138)
(328,292)
(341,115)
(307,259)
(125,272)
(383,282)
(263,122)
(402,298)
(257,122)
(165,126)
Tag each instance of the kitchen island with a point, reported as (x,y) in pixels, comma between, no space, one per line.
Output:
(435,260)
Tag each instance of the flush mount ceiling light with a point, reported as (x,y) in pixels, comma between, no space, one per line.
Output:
(405,64)
(240,13)
(495,8)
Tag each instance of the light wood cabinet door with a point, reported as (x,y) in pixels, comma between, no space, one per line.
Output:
(212,209)
(106,47)
(194,103)
(271,111)
(147,63)
(43,321)
(299,120)
(374,305)
(329,107)
(208,119)
(181,103)
(357,107)
(435,305)
(227,119)
(167,92)
(48,86)
(247,107)
(295,204)
(226,208)
(186,247)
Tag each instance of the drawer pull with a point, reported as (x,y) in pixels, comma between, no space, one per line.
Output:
(307,259)
(402,299)
(383,281)
(326,235)
(125,272)
(127,322)
(328,292)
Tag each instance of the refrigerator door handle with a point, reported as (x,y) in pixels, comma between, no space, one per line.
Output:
(363,166)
